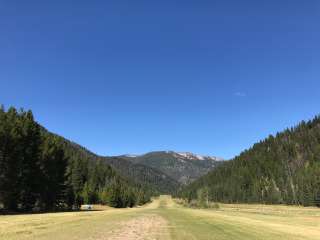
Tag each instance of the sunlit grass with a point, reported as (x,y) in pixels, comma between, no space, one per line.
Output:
(229,222)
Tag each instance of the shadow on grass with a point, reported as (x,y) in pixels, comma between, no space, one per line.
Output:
(5,212)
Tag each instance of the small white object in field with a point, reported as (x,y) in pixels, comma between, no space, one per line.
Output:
(87,207)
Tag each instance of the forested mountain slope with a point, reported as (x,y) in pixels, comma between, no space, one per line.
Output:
(182,167)
(280,169)
(40,170)
(155,182)
(153,179)
(96,179)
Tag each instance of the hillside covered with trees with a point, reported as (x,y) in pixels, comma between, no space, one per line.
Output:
(44,172)
(157,181)
(280,169)
(183,168)
(152,181)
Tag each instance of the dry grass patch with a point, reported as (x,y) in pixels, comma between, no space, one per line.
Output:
(165,219)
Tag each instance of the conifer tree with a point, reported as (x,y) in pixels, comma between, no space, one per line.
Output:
(10,160)
(30,173)
(53,166)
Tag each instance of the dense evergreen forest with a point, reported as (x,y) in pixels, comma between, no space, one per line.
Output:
(44,172)
(93,180)
(150,180)
(158,182)
(282,169)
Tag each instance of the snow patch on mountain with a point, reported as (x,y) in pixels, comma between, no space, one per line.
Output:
(192,156)
(182,156)
(131,155)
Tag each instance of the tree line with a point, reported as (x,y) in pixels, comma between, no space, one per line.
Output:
(155,180)
(40,171)
(282,169)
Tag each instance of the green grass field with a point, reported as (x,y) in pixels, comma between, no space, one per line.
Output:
(164,219)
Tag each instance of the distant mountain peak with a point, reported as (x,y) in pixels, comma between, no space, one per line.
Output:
(193,156)
(182,167)
(180,155)
(130,155)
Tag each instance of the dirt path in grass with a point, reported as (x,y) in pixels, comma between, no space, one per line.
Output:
(164,219)
(150,227)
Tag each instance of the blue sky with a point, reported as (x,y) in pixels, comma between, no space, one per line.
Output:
(211,77)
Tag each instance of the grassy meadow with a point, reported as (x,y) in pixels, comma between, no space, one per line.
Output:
(164,219)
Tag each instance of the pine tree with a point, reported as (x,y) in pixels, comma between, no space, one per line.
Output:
(317,199)
(203,197)
(77,181)
(2,150)
(85,194)
(103,196)
(30,172)
(10,160)
(53,166)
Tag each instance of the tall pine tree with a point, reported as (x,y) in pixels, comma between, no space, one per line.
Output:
(53,166)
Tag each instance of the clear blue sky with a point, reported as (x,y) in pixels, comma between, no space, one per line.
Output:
(211,77)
